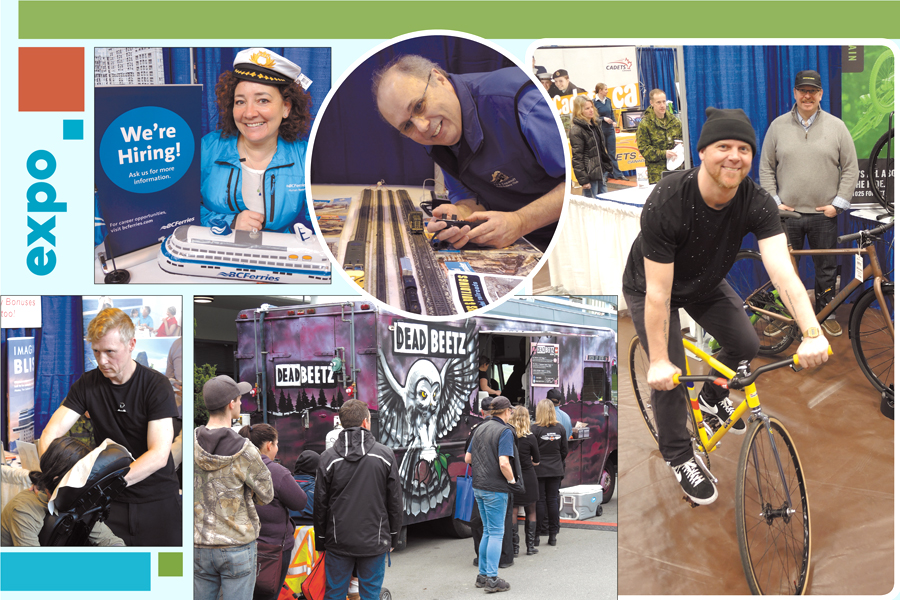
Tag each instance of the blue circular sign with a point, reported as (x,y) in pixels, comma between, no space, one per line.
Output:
(146,149)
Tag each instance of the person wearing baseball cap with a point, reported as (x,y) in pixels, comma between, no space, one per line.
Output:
(562,83)
(692,227)
(228,473)
(493,456)
(555,396)
(252,167)
(809,166)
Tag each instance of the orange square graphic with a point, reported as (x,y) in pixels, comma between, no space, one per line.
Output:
(51,79)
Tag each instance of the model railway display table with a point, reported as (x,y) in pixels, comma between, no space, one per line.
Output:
(367,229)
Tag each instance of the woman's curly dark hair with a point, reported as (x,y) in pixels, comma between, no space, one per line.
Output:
(294,127)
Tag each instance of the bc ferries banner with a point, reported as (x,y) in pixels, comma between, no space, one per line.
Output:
(147,168)
(20,379)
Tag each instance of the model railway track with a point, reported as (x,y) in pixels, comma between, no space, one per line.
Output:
(380,275)
(435,292)
(355,254)
(407,276)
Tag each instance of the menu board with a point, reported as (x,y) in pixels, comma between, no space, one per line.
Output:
(544,364)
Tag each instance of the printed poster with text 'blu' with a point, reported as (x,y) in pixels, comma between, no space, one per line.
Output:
(20,379)
(147,167)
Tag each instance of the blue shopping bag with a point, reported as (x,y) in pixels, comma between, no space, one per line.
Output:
(465,497)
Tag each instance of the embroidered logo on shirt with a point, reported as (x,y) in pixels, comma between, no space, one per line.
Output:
(501,180)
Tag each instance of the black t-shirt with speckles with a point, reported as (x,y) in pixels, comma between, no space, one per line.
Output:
(678,227)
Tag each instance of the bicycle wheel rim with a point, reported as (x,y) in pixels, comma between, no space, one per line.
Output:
(872,343)
(746,276)
(774,545)
(639,363)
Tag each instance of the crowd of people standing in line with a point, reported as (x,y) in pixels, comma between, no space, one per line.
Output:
(244,499)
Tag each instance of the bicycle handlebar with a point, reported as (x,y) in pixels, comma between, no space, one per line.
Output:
(789,214)
(737,382)
(870,233)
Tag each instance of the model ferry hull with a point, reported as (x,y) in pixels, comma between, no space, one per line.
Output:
(232,255)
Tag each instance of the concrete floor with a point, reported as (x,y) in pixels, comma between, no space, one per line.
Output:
(583,565)
(847,450)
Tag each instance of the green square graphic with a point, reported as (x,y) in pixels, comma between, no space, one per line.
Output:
(171,564)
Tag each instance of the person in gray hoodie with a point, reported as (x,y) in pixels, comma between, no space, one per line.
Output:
(229,477)
(358,509)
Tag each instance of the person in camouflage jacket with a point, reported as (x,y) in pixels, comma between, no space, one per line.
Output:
(656,135)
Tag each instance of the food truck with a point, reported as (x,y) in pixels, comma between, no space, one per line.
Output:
(420,381)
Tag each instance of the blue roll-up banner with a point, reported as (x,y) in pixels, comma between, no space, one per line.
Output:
(147,167)
(20,380)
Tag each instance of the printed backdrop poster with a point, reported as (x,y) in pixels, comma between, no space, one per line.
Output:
(20,381)
(147,167)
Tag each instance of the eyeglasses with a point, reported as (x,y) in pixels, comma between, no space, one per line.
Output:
(418,108)
(807,91)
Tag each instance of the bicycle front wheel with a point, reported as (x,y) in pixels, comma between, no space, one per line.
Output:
(639,363)
(748,275)
(772,512)
(872,342)
(880,172)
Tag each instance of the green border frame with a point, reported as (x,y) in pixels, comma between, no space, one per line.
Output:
(496,19)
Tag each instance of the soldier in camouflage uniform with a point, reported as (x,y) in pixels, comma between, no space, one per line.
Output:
(656,135)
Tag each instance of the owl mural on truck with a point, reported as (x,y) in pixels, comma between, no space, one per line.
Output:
(424,406)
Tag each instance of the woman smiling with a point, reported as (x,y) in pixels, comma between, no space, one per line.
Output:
(252,168)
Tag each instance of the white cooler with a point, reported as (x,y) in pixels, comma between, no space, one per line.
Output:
(580,502)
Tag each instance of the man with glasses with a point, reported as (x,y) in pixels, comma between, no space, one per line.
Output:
(809,165)
(496,140)
(656,135)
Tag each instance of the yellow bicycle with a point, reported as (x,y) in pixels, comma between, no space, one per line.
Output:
(771,507)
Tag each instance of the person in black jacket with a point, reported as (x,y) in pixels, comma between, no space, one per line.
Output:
(530,457)
(590,160)
(358,509)
(554,448)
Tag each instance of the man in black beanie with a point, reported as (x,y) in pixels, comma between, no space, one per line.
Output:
(692,226)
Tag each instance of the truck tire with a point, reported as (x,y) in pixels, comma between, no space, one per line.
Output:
(608,480)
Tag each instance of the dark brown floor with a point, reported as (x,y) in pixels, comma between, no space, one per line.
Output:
(847,449)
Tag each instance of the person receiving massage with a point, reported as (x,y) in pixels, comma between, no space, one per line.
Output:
(23,517)
(252,167)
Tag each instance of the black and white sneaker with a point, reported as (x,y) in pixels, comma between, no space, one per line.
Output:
(722,410)
(695,483)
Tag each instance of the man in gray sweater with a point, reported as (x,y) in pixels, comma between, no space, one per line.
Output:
(809,165)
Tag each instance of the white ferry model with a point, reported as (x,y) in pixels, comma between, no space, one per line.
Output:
(251,256)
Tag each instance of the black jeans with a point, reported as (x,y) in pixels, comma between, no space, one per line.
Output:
(721,314)
(548,502)
(821,232)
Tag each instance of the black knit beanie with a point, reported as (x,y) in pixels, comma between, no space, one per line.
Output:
(726,124)
(307,463)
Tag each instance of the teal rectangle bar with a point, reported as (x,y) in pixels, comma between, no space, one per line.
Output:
(75,572)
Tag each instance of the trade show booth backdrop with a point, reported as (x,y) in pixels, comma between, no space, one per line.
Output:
(58,350)
(354,145)
(758,79)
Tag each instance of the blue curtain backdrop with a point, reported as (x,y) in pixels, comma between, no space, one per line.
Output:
(58,347)
(758,79)
(355,146)
(657,71)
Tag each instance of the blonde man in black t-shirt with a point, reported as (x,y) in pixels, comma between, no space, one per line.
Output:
(691,230)
(133,406)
